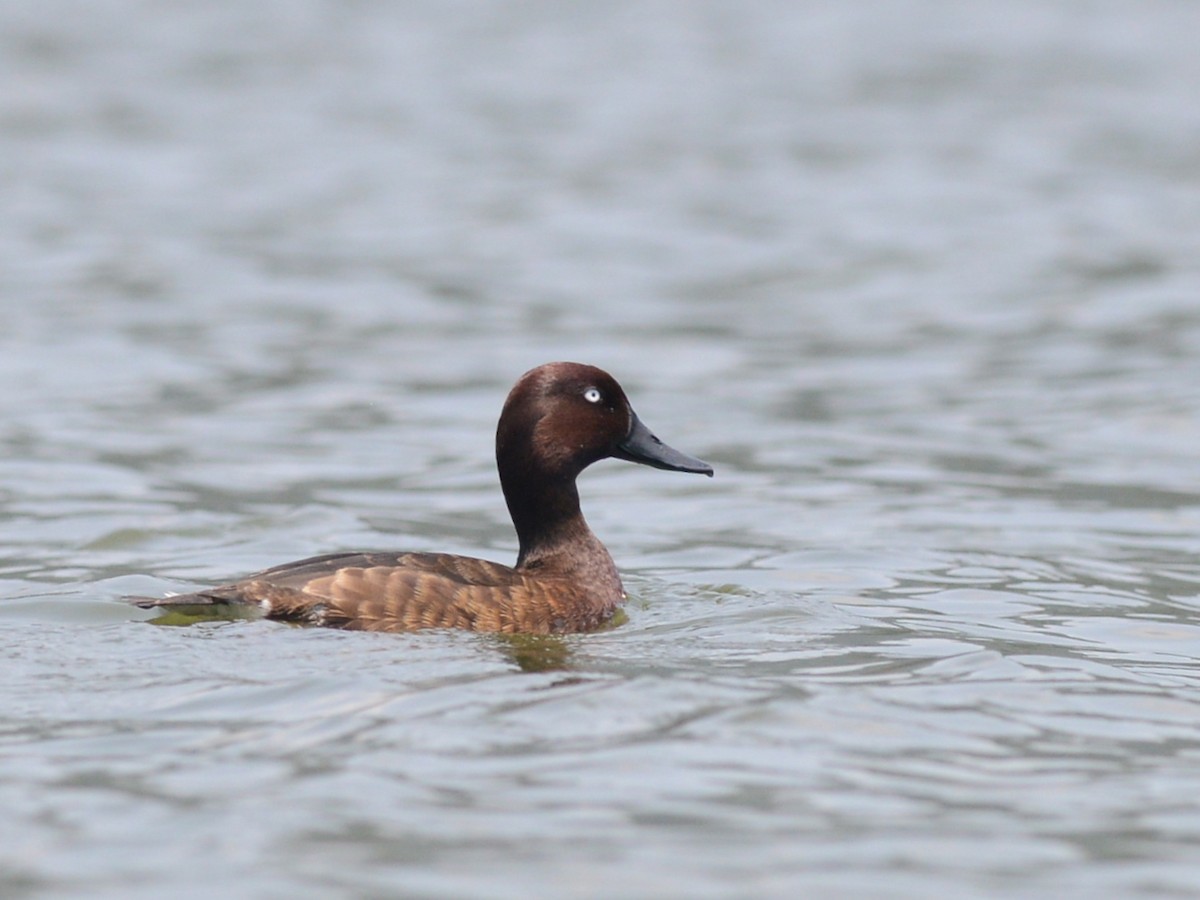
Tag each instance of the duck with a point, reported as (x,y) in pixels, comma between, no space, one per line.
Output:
(558,419)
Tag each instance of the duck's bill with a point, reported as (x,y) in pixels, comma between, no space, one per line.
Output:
(641,446)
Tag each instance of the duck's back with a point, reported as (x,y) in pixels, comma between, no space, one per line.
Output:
(411,591)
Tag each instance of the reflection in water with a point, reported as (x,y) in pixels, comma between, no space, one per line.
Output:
(530,652)
(182,616)
(536,652)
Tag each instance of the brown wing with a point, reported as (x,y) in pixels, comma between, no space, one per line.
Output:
(406,592)
(411,591)
(375,592)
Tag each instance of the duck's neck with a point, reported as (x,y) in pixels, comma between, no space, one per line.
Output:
(556,542)
(548,520)
(544,504)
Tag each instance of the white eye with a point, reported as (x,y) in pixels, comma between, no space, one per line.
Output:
(592,395)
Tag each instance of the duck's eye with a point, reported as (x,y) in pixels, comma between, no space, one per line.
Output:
(593,395)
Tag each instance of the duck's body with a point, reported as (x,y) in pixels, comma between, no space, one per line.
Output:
(558,419)
(409,591)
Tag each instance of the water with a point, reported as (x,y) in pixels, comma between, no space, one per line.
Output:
(919,278)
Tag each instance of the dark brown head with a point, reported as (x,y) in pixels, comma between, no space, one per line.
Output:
(559,419)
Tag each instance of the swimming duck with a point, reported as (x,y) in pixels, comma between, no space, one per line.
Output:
(558,419)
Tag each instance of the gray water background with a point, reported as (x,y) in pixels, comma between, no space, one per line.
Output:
(920,278)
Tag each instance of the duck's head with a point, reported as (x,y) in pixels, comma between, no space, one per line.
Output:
(561,417)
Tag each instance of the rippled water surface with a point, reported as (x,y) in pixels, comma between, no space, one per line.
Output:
(921,279)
